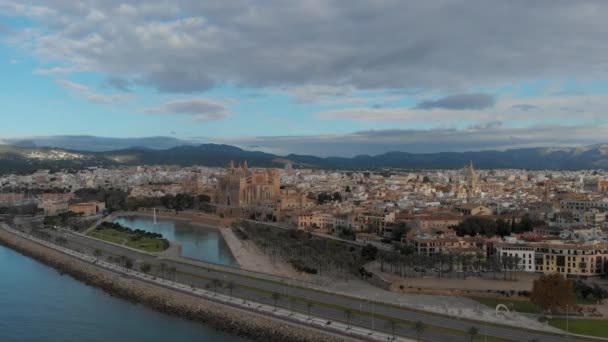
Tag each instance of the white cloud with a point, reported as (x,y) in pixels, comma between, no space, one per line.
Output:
(537,110)
(90,95)
(200,109)
(365,45)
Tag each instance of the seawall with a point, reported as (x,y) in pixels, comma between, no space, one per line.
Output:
(223,318)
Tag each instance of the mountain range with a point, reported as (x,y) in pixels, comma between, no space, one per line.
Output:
(27,159)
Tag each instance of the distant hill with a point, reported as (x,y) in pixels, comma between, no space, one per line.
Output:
(27,159)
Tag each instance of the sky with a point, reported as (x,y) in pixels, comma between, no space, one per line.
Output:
(317,77)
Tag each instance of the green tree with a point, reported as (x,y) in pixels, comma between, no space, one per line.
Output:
(393,323)
(399,230)
(473,332)
(369,252)
(145,267)
(309,306)
(215,283)
(230,286)
(61,241)
(348,313)
(275,298)
(97,252)
(128,263)
(163,268)
(419,327)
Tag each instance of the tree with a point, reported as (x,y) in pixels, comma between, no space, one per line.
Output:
(473,332)
(215,283)
(230,286)
(393,323)
(128,263)
(553,292)
(61,241)
(275,298)
(419,327)
(399,230)
(369,252)
(145,267)
(348,313)
(309,306)
(97,253)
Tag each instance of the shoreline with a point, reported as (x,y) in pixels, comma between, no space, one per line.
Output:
(220,317)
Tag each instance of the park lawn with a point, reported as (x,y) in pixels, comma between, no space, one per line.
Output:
(519,306)
(145,243)
(583,326)
(109,235)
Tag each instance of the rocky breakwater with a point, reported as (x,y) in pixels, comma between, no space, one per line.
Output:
(231,320)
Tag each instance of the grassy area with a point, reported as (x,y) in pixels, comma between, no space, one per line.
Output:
(109,235)
(583,326)
(519,306)
(147,244)
(143,243)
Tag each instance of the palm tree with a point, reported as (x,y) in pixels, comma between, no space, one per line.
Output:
(309,306)
(145,267)
(128,263)
(419,327)
(122,260)
(348,314)
(393,323)
(275,297)
(215,283)
(473,332)
(230,286)
(97,253)
(292,303)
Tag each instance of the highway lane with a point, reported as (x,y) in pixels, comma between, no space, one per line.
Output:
(261,290)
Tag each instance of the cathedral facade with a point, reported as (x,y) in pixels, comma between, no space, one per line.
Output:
(243,187)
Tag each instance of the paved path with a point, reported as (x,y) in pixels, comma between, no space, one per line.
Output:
(345,330)
(330,306)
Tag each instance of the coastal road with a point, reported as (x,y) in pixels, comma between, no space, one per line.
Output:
(333,307)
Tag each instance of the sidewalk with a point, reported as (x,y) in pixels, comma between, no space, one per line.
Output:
(251,306)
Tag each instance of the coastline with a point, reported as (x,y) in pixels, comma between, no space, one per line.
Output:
(228,319)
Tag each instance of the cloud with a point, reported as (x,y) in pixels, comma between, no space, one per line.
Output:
(198,108)
(90,95)
(4,29)
(73,85)
(460,102)
(524,107)
(118,83)
(189,46)
(374,142)
(588,108)
(57,71)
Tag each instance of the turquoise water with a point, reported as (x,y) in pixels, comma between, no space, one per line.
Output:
(206,244)
(38,304)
